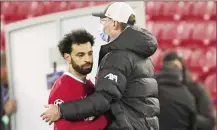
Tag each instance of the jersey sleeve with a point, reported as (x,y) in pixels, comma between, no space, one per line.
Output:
(59,93)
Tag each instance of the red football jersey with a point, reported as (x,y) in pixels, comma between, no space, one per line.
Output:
(68,88)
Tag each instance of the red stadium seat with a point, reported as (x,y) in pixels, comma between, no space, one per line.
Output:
(186,14)
(37,9)
(72,5)
(155,28)
(198,35)
(8,9)
(94,3)
(149,10)
(185,53)
(195,61)
(210,34)
(212,70)
(53,7)
(183,33)
(210,83)
(195,75)
(169,10)
(78,4)
(210,13)
(210,58)
(173,34)
(180,10)
(2,40)
(204,34)
(91,4)
(173,10)
(213,13)
(63,6)
(168,35)
(75,5)
(85,4)
(209,64)
(196,39)
(157,57)
(149,26)
(206,10)
(23,10)
(153,10)
(202,60)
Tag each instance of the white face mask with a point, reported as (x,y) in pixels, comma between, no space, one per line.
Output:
(103,35)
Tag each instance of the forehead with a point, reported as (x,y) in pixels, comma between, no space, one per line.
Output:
(84,47)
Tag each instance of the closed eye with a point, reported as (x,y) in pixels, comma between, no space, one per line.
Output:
(80,54)
(90,53)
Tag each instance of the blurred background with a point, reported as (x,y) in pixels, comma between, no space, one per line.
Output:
(186,27)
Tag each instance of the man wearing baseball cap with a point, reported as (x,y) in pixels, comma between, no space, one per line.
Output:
(125,86)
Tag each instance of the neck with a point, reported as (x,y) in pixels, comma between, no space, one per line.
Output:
(82,77)
(115,34)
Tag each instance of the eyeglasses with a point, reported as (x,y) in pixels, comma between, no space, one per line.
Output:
(105,19)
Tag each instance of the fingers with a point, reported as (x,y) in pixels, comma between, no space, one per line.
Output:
(42,114)
(45,117)
(51,122)
(46,106)
(47,120)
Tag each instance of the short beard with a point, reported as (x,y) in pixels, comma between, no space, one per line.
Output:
(80,69)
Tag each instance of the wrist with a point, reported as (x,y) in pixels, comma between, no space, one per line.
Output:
(59,110)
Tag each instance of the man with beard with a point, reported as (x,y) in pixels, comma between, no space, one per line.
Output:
(125,84)
(76,48)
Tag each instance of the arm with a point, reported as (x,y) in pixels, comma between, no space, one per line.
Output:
(205,116)
(192,124)
(109,86)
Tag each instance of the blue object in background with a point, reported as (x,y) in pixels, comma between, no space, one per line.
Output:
(51,78)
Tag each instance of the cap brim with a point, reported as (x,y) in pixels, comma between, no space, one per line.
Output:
(99,14)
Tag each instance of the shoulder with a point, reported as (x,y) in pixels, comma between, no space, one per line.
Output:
(62,81)
(197,88)
(61,90)
(117,58)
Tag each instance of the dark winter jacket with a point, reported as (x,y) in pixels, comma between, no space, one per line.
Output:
(177,104)
(125,86)
(205,116)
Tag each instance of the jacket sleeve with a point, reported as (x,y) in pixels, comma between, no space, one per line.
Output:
(205,116)
(110,84)
(192,123)
(192,116)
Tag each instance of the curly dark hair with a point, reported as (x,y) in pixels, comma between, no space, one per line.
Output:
(77,36)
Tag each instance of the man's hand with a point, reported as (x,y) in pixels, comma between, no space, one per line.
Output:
(51,114)
(10,106)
